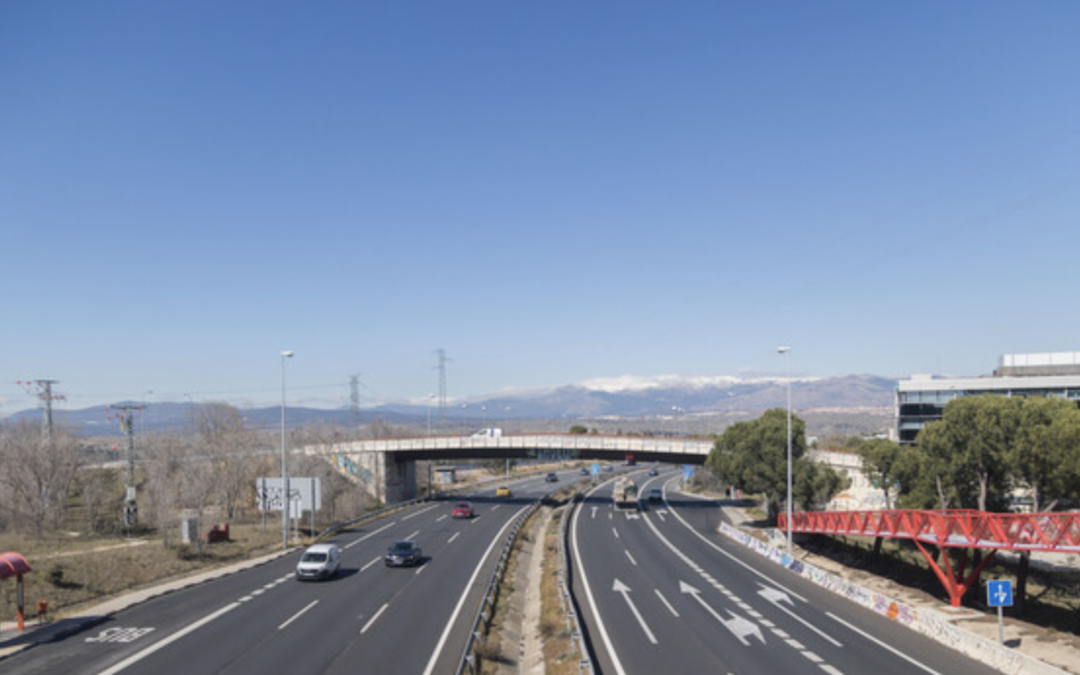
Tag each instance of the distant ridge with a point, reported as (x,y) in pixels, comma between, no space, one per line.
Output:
(627,397)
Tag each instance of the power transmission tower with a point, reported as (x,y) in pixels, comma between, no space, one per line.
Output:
(127,427)
(443,360)
(354,398)
(46,396)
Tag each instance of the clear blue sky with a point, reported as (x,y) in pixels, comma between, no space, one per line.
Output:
(549,191)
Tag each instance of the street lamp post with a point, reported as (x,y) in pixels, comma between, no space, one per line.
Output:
(285,502)
(787,352)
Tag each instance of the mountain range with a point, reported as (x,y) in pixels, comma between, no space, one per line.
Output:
(664,402)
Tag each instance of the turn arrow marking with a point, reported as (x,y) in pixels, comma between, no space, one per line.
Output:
(738,626)
(620,587)
(776,596)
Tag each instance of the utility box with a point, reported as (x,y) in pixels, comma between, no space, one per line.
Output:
(189,530)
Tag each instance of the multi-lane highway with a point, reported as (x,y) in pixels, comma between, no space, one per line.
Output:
(368,618)
(661,591)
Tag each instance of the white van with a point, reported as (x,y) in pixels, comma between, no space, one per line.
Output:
(320,561)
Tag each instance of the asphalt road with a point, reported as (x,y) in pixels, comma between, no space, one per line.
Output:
(368,618)
(662,591)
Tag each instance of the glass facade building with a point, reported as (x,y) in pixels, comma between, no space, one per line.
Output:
(921,399)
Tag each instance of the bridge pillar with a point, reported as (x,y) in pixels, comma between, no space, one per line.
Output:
(400,478)
(385,475)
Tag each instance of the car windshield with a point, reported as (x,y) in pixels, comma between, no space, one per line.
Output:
(463,505)
(313,557)
(402,547)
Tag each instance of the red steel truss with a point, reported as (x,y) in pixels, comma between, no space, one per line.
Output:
(956,528)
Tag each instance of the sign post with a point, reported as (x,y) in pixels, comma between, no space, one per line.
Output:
(999,594)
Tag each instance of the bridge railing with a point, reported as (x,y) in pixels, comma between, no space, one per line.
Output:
(964,528)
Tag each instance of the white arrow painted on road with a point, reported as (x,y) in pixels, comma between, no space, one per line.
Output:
(776,596)
(738,626)
(594,511)
(620,587)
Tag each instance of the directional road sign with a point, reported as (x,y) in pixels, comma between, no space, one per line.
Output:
(999,593)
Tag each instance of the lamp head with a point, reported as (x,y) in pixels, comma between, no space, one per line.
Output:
(287,354)
(783,350)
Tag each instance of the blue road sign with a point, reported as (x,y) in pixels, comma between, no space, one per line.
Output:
(596,469)
(999,593)
(687,472)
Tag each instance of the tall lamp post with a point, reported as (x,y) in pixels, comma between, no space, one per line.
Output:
(787,352)
(285,502)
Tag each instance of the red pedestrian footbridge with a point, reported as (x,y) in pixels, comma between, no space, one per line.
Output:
(966,529)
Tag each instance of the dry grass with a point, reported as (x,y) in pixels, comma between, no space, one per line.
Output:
(80,572)
(560,656)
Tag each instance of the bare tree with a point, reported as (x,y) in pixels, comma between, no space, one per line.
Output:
(232,450)
(37,473)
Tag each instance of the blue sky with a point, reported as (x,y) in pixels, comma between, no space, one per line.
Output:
(550,191)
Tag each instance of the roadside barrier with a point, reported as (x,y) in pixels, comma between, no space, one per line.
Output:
(573,621)
(469,661)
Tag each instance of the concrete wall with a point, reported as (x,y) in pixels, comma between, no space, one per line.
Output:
(929,622)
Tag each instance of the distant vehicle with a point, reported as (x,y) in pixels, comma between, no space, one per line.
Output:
(491,432)
(552,477)
(404,553)
(502,491)
(656,495)
(320,561)
(654,472)
(625,494)
(584,471)
(462,510)
(608,467)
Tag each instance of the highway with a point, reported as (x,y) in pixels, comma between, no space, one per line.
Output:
(662,591)
(368,618)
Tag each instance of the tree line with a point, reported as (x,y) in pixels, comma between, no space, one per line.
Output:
(51,481)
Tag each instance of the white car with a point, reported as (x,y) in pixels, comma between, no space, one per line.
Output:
(320,561)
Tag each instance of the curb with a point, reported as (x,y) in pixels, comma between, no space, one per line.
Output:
(932,623)
(13,642)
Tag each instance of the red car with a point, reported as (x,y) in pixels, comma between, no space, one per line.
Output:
(463,510)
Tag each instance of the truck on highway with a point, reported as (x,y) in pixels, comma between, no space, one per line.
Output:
(625,493)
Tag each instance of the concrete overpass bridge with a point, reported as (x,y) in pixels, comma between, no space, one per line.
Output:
(387,467)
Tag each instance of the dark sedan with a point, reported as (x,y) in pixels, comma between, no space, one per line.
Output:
(404,553)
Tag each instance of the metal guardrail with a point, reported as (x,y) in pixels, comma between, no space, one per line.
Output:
(491,596)
(573,621)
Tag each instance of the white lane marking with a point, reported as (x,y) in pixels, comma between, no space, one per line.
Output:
(879,643)
(441,518)
(139,656)
(721,551)
(602,628)
(461,601)
(421,511)
(373,619)
(373,561)
(666,603)
(615,532)
(453,537)
(738,626)
(413,535)
(776,597)
(369,535)
(632,561)
(296,616)
(624,590)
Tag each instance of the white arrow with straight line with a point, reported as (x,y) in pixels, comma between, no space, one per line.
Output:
(620,587)
(738,626)
(776,596)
